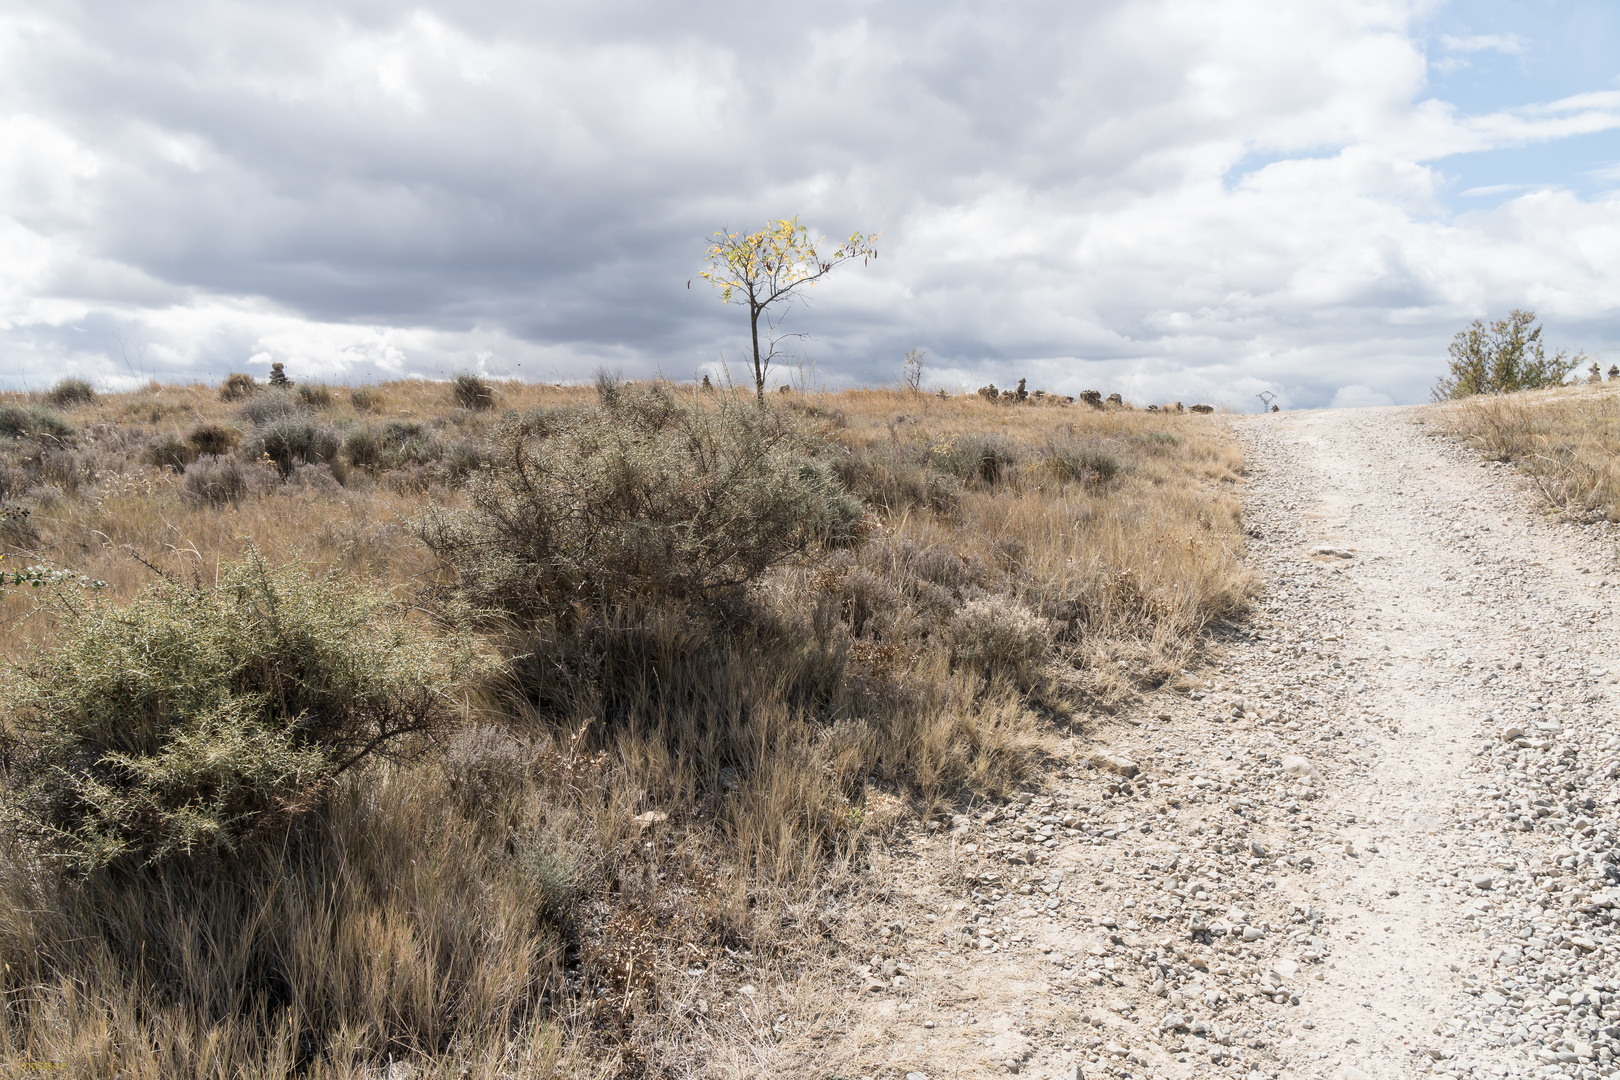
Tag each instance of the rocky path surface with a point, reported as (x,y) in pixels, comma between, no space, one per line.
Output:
(1376,838)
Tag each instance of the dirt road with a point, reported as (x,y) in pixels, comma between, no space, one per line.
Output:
(1375,839)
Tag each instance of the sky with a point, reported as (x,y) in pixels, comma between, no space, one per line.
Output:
(1195,200)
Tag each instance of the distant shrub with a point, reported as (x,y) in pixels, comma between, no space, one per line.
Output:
(219,479)
(316,479)
(295,440)
(270,405)
(238,385)
(984,458)
(1070,463)
(365,398)
(70,392)
(996,636)
(392,445)
(33,422)
(200,717)
(315,395)
(171,450)
(640,496)
(211,438)
(472,392)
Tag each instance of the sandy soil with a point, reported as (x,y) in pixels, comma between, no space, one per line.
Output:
(1375,838)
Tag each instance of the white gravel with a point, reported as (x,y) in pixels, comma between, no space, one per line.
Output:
(1377,839)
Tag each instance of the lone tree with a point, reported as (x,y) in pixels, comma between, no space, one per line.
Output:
(767,268)
(1503,357)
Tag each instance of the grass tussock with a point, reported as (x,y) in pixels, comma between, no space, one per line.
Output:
(1566,440)
(729,647)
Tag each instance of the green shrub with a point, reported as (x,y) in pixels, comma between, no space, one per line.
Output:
(211,438)
(639,497)
(238,385)
(70,392)
(295,440)
(199,717)
(171,450)
(472,392)
(984,458)
(1505,356)
(33,422)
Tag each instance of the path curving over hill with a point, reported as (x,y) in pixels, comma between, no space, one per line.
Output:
(1376,839)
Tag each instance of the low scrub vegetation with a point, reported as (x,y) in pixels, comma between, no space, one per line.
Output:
(528,712)
(1567,441)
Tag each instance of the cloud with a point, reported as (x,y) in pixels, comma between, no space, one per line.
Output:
(1358,397)
(1506,44)
(1169,198)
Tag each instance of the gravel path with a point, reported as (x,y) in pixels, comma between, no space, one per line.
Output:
(1375,838)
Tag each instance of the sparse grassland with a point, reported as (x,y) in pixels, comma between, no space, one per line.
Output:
(733,651)
(1566,440)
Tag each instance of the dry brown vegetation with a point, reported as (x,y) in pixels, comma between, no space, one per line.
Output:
(664,794)
(1566,440)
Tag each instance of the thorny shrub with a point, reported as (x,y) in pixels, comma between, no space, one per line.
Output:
(200,716)
(642,496)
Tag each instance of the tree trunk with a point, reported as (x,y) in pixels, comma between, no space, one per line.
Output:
(759,368)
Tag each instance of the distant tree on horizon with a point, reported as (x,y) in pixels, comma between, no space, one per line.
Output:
(1502,357)
(767,268)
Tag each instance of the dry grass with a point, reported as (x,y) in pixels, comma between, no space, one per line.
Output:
(1566,440)
(581,884)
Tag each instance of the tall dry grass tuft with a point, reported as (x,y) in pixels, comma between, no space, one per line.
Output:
(1565,440)
(668,790)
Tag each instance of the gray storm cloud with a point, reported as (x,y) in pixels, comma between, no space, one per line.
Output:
(1170,199)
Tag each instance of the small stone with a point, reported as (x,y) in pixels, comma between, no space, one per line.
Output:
(1495,1001)
(915,1075)
(1253,933)
(1511,733)
(1286,968)
(1483,881)
(1117,763)
(1294,765)
(1172,1020)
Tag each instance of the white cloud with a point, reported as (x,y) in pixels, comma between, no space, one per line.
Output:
(1358,397)
(1172,198)
(1506,44)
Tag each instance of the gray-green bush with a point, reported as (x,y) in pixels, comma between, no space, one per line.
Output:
(198,717)
(33,422)
(641,496)
(295,440)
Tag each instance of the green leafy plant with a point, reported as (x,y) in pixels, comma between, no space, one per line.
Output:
(198,717)
(1503,357)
